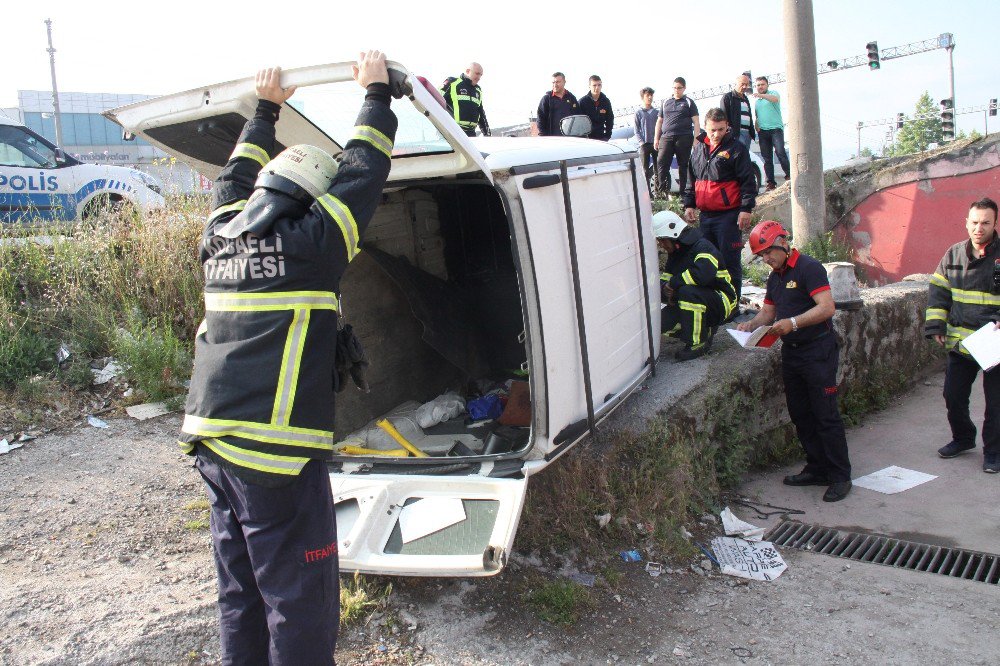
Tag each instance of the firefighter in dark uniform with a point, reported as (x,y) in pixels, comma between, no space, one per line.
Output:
(964,296)
(695,286)
(259,415)
(799,306)
(464,98)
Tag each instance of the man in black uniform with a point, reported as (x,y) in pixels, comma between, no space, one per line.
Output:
(259,415)
(676,129)
(554,106)
(799,298)
(464,98)
(695,285)
(964,296)
(597,107)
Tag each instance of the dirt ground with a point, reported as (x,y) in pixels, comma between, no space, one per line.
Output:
(104,559)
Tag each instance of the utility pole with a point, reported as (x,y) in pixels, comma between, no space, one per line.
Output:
(951,73)
(808,196)
(55,90)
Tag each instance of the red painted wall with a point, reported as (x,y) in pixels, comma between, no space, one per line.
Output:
(911,225)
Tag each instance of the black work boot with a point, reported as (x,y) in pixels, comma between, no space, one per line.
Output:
(837,491)
(688,354)
(952,449)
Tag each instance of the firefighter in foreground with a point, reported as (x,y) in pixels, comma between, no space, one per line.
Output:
(464,100)
(799,306)
(259,416)
(695,287)
(964,296)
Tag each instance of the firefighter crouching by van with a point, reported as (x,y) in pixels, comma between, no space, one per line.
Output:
(259,415)
(799,306)
(695,286)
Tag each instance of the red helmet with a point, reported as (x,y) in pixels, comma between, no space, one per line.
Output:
(766,234)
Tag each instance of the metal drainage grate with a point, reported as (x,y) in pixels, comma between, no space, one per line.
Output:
(954,562)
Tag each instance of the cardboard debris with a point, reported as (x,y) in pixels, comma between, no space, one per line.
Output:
(148,410)
(738,528)
(96,422)
(748,559)
(892,480)
(7,447)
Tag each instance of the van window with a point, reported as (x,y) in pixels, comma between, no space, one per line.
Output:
(20,148)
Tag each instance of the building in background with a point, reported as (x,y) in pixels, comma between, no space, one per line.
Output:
(90,137)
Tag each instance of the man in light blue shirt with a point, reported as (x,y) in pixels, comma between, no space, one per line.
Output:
(645,132)
(770,130)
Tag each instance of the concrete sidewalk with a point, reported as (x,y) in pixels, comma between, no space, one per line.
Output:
(960,508)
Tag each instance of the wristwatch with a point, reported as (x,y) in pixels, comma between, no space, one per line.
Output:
(795,325)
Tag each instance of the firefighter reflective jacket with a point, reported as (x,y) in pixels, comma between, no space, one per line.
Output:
(963,295)
(262,391)
(720,179)
(698,263)
(465,103)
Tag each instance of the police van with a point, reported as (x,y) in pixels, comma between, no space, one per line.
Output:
(524,261)
(40,184)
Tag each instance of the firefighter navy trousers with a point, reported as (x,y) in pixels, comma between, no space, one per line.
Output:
(276,556)
(723,230)
(692,315)
(809,370)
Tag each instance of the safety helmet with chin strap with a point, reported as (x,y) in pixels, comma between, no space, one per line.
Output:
(303,172)
(766,235)
(668,224)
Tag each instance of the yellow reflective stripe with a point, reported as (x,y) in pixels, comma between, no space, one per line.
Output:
(686,276)
(959,332)
(696,309)
(724,274)
(454,104)
(468,98)
(186,447)
(265,301)
(728,304)
(974,297)
(940,281)
(342,214)
(291,362)
(706,255)
(228,208)
(666,276)
(251,152)
(374,137)
(269,433)
(263,462)
(937,313)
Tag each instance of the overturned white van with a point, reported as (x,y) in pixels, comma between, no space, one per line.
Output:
(529,258)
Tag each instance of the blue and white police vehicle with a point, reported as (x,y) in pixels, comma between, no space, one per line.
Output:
(40,184)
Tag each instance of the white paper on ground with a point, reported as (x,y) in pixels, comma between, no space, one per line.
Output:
(147,410)
(109,372)
(7,447)
(96,422)
(893,479)
(756,560)
(736,527)
(984,345)
(429,515)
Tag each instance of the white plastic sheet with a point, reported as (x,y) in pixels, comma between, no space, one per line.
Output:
(738,528)
(756,560)
(893,479)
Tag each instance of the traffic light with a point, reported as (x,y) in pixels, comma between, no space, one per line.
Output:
(873,60)
(993,106)
(899,121)
(948,119)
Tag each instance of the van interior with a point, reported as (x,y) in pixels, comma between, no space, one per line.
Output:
(434,297)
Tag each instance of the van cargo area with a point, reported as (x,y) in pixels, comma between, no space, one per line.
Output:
(435,299)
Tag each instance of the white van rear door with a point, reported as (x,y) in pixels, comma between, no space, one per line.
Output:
(200,127)
(421,525)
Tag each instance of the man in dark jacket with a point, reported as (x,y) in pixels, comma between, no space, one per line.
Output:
(736,105)
(259,414)
(695,285)
(722,186)
(597,107)
(464,99)
(964,296)
(556,105)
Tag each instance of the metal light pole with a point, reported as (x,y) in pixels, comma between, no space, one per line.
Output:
(808,196)
(55,90)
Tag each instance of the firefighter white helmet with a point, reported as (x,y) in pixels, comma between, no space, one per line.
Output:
(667,224)
(304,172)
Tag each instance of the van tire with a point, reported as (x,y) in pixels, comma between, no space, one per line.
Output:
(106,204)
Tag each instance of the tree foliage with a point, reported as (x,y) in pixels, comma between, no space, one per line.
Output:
(918,133)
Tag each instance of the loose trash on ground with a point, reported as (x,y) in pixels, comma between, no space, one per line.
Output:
(585,579)
(148,410)
(756,560)
(107,373)
(631,556)
(603,520)
(738,528)
(96,422)
(654,569)
(62,354)
(893,479)
(7,447)
(429,515)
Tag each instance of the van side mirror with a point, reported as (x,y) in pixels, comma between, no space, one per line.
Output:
(576,126)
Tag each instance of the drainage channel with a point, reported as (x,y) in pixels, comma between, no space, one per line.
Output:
(953,562)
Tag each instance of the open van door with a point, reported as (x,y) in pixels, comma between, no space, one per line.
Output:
(200,127)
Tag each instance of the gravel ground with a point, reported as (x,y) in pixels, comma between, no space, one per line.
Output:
(104,559)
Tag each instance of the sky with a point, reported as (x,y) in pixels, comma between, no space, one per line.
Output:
(165,47)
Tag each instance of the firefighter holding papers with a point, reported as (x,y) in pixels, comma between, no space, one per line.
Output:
(259,415)
(799,306)
(696,287)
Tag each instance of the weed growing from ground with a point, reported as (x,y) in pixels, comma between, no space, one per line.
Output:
(360,596)
(559,601)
